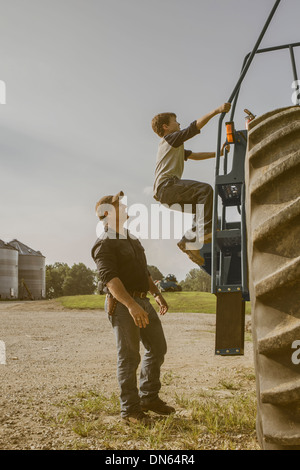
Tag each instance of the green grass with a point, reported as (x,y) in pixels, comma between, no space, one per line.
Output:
(82,302)
(201,422)
(186,302)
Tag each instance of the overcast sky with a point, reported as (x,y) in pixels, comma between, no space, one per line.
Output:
(84,79)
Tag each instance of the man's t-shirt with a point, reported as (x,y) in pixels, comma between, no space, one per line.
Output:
(171,155)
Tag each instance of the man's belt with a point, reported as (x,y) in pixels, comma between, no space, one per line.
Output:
(112,302)
(140,295)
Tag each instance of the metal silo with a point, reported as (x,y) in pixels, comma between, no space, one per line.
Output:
(8,271)
(32,272)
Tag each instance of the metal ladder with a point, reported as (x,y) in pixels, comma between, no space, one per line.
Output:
(226,259)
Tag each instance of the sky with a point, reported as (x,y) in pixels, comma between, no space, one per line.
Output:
(84,79)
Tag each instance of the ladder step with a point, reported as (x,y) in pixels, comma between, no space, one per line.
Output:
(229,240)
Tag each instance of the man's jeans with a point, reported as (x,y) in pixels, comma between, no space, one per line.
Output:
(189,192)
(128,337)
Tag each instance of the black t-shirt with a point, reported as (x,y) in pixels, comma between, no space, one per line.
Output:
(122,257)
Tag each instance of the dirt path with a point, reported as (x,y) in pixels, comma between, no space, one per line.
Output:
(53,353)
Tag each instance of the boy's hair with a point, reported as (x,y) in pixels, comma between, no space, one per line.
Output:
(159,120)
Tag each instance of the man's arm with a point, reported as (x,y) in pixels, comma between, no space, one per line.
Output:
(117,289)
(224,108)
(106,260)
(163,306)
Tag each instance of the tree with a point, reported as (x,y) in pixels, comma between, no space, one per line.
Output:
(55,276)
(155,273)
(196,280)
(79,280)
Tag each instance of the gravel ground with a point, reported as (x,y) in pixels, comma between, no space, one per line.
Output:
(53,353)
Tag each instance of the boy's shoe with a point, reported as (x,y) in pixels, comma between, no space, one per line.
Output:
(190,238)
(158,406)
(137,417)
(207,238)
(194,255)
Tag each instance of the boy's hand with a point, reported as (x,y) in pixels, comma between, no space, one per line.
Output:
(224,146)
(224,108)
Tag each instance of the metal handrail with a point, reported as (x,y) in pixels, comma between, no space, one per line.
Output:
(262,51)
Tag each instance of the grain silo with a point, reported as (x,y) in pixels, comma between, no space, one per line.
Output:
(32,273)
(8,271)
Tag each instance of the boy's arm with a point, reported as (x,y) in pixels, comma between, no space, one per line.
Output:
(206,155)
(224,108)
(176,139)
(201,155)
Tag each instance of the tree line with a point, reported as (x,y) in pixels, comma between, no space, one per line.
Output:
(63,280)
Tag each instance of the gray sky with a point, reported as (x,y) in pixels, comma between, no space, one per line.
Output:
(84,79)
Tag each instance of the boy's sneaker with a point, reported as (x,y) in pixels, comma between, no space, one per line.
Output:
(194,255)
(207,238)
(158,406)
(137,417)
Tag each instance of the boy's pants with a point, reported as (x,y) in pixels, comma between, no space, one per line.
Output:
(128,337)
(188,192)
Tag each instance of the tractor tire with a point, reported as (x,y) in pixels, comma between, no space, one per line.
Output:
(272,171)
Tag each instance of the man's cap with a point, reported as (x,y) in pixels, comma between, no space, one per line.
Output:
(105,201)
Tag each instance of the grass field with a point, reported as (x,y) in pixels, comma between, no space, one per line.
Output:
(186,302)
(202,423)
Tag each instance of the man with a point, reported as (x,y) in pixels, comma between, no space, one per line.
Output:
(170,189)
(122,267)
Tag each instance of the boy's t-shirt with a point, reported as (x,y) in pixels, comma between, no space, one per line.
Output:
(171,155)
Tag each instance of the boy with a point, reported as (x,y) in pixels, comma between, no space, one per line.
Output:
(169,188)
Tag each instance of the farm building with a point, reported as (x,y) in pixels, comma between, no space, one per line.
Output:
(8,271)
(22,272)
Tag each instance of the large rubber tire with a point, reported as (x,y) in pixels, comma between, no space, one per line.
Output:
(273,232)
